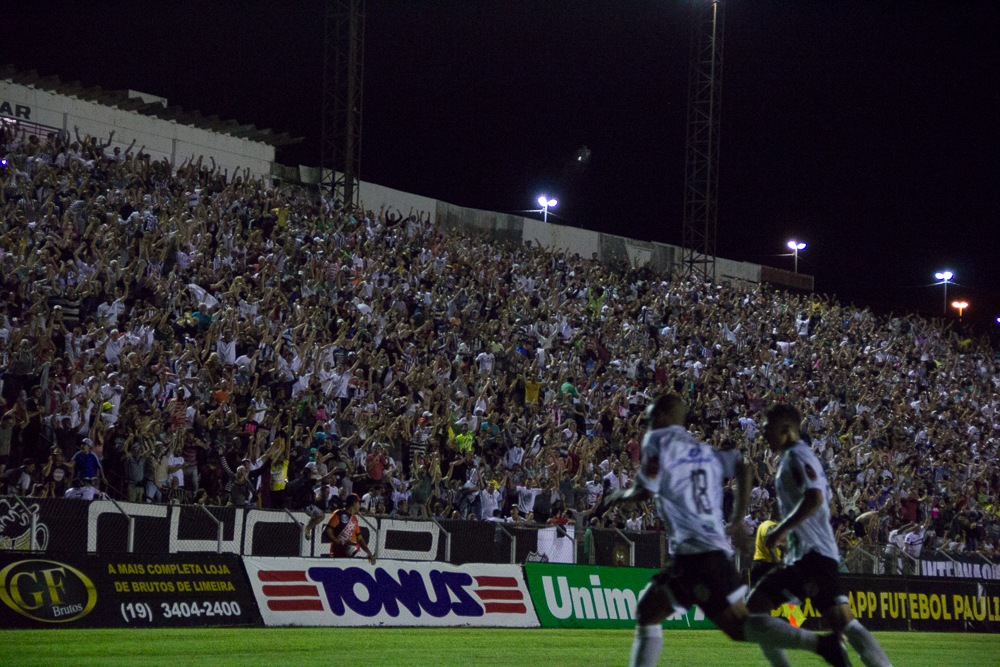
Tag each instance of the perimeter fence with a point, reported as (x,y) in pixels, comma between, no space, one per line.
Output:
(111,526)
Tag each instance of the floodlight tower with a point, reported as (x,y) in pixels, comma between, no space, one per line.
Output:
(343,78)
(944,277)
(701,173)
(546,204)
(795,246)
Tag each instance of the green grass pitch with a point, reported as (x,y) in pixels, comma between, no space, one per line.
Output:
(291,647)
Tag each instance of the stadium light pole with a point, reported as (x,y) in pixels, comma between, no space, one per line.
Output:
(795,246)
(960,306)
(546,204)
(945,277)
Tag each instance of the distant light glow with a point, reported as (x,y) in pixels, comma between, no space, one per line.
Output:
(795,245)
(552,203)
(3,162)
(944,276)
(543,201)
(961,305)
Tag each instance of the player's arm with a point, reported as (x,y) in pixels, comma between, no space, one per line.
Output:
(634,494)
(743,478)
(735,530)
(811,501)
(643,487)
(774,552)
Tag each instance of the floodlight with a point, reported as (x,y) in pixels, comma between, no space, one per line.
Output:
(546,204)
(795,246)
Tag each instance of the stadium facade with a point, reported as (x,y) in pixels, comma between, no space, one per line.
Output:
(44,105)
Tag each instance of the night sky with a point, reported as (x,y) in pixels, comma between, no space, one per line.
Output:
(869,130)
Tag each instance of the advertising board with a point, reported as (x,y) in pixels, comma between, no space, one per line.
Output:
(342,592)
(589,596)
(76,526)
(120,590)
(963,566)
(922,604)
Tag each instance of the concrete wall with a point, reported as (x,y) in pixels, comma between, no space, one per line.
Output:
(495,226)
(162,138)
(559,237)
(373,196)
(608,248)
(727,269)
(799,281)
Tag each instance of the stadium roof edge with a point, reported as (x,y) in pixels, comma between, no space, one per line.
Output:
(120,99)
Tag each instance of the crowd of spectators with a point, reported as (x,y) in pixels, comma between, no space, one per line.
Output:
(185,335)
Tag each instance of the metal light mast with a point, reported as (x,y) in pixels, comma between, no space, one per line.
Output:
(701,177)
(343,77)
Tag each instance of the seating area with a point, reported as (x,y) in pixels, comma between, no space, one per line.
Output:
(181,335)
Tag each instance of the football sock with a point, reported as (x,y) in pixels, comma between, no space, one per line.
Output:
(775,656)
(866,646)
(773,632)
(646,646)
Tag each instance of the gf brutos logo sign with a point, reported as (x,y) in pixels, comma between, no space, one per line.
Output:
(47,591)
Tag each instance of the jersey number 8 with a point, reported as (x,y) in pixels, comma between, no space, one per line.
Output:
(699,489)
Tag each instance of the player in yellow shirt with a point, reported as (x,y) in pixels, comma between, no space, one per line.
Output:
(764,559)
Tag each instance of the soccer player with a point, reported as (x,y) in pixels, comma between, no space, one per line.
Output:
(812,559)
(344,532)
(685,478)
(765,559)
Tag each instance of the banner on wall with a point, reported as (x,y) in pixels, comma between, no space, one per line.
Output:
(343,592)
(121,590)
(965,566)
(921,604)
(589,596)
(78,526)
(557,543)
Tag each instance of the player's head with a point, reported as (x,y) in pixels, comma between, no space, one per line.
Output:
(782,427)
(352,503)
(666,410)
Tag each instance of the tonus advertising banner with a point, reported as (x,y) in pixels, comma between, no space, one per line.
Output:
(120,590)
(345,592)
(588,596)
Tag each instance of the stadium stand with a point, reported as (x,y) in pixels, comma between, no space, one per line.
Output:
(181,336)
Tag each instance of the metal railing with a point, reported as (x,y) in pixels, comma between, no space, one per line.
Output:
(889,559)
(631,547)
(130,543)
(218,525)
(32,524)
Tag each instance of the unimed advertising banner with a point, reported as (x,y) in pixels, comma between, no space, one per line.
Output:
(119,590)
(589,596)
(311,591)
